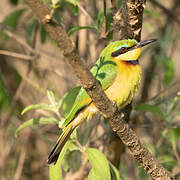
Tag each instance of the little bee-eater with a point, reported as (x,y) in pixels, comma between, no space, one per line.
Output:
(119,73)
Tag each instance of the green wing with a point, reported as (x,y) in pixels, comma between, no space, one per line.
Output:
(81,100)
(105,71)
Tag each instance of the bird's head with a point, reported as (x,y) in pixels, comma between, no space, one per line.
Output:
(128,50)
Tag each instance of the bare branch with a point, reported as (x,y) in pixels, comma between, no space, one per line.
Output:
(105,21)
(22,157)
(17,55)
(36,52)
(85,12)
(18,39)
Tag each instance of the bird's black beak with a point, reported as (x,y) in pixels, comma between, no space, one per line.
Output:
(144,43)
(138,45)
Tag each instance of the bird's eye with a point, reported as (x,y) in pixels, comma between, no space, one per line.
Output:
(119,51)
(123,49)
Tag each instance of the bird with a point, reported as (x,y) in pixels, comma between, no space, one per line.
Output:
(119,73)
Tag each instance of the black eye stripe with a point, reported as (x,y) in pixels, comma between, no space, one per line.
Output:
(121,51)
(133,62)
(116,53)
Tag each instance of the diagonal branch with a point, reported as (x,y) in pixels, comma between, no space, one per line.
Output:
(94,90)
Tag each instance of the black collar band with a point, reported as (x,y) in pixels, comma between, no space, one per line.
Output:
(133,62)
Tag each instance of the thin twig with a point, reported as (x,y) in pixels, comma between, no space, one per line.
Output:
(24,149)
(166,94)
(17,38)
(23,82)
(36,52)
(85,13)
(176,154)
(167,11)
(33,84)
(22,157)
(17,55)
(103,35)
(82,148)
(113,4)
(19,168)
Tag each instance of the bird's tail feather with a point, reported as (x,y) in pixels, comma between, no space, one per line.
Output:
(84,114)
(53,156)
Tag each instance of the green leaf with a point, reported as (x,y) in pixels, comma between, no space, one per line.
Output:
(114,173)
(100,19)
(169,70)
(151,13)
(150,27)
(75,157)
(150,108)
(110,35)
(30,31)
(177,36)
(4,97)
(177,114)
(55,171)
(83,135)
(57,17)
(124,170)
(36,106)
(118,4)
(51,97)
(11,21)
(77,28)
(54,106)
(168,162)
(74,2)
(14,2)
(36,121)
(4,35)
(99,164)
(43,34)
(173,135)
(74,9)
(66,161)
(54,2)
(13,18)
(170,106)
(48,2)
